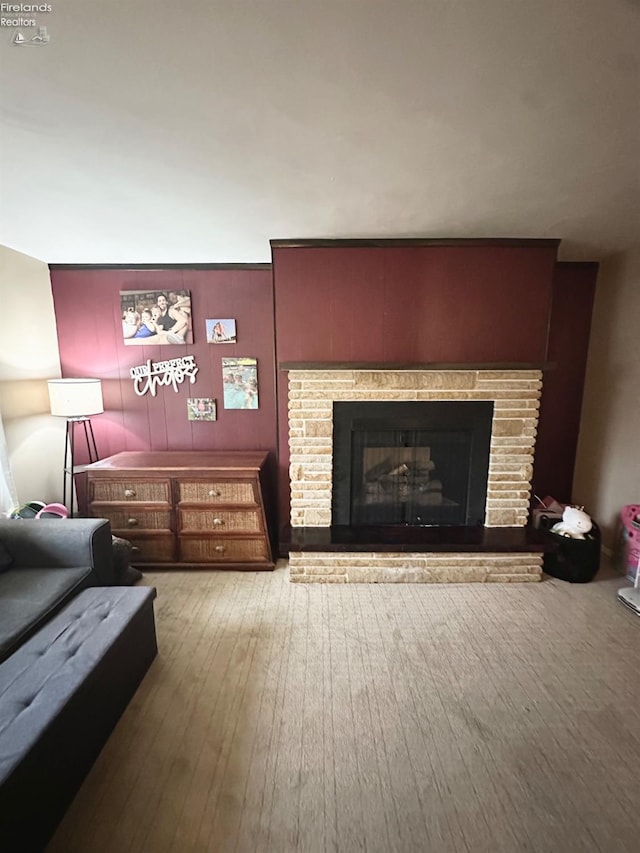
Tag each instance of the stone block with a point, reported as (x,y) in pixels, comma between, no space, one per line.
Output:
(510,394)
(518,412)
(312,501)
(311,567)
(317,579)
(530,406)
(326,377)
(501,518)
(312,488)
(317,477)
(510,563)
(449,395)
(518,443)
(507,454)
(316,444)
(309,460)
(499,469)
(500,497)
(508,384)
(316,472)
(317,517)
(508,426)
(319,427)
(511,483)
(509,375)
(514,578)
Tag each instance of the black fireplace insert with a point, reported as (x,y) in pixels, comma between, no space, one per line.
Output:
(419,463)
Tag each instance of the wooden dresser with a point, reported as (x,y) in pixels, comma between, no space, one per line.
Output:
(185,509)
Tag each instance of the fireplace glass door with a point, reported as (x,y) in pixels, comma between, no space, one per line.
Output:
(411,463)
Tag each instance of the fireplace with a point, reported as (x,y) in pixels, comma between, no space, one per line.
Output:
(414,463)
(457,526)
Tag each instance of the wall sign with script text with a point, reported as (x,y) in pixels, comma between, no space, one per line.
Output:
(149,376)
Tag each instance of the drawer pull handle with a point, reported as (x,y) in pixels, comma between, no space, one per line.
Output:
(218,521)
(129,493)
(220,549)
(214,493)
(135,549)
(132,522)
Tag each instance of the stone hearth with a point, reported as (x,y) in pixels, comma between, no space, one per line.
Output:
(312,393)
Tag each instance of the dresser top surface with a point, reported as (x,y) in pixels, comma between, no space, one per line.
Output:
(178,460)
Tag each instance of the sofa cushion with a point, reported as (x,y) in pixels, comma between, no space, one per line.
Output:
(6,560)
(28,597)
(61,694)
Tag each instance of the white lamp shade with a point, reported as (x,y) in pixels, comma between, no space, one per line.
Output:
(75,398)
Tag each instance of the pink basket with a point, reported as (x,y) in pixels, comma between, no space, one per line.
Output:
(53,511)
(629,541)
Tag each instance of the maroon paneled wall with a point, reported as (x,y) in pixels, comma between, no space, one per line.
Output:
(409,301)
(389,301)
(88,317)
(416,303)
(561,403)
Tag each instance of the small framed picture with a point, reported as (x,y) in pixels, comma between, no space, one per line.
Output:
(240,383)
(221,331)
(201,409)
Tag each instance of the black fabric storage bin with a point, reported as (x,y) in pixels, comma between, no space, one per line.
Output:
(575,560)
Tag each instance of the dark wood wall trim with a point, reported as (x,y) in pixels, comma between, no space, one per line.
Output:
(403,242)
(58,267)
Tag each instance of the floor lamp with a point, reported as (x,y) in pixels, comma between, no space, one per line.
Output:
(76,400)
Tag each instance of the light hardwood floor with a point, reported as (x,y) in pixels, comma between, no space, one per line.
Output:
(289,717)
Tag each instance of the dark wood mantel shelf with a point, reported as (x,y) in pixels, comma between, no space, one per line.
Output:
(410,539)
(430,365)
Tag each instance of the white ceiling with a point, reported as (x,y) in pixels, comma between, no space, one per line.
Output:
(148,131)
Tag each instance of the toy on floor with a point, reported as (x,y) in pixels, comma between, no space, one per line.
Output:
(628,546)
(28,510)
(575,523)
(53,511)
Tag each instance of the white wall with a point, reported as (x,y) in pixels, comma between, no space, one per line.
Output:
(28,357)
(608,463)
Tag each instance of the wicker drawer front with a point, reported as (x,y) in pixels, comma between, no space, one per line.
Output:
(132,518)
(143,491)
(220,521)
(223,550)
(152,549)
(221,493)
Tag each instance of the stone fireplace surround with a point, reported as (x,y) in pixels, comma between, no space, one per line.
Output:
(515,393)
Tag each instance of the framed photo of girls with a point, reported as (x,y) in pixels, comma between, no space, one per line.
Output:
(156,317)
(240,383)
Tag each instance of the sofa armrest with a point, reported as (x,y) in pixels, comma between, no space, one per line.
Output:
(60,543)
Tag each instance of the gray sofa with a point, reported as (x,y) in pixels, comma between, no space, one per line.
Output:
(43,565)
(74,650)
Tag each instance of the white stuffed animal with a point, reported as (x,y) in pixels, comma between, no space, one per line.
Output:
(575,523)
